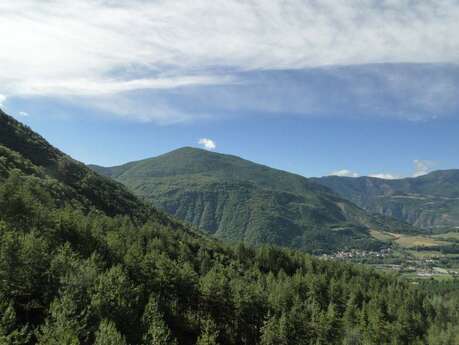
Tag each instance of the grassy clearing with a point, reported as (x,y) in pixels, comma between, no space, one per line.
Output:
(383,236)
(409,241)
(425,254)
(415,277)
(454,235)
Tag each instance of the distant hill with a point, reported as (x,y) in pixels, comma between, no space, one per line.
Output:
(239,200)
(429,202)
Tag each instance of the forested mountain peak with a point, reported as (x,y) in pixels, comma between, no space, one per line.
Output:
(239,200)
(192,161)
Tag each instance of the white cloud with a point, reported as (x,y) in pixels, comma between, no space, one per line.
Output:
(344,172)
(128,106)
(23,114)
(385,176)
(95,48)
(86,87)
(207,143)
(422,167)
(65,41)
(2,99)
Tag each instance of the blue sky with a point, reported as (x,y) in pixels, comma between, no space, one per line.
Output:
(347,87)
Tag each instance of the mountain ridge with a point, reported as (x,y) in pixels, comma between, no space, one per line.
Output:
(429,201)
(236,199)
(19,143)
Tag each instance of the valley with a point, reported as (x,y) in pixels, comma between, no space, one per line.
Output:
(206,189)
(412,256)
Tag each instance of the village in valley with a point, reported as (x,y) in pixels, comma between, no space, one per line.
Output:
(410,263)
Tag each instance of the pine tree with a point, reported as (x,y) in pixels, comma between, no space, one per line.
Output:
(64,325)
(107,334)
(9,333)
(157,332)
(273,331)
(209,333)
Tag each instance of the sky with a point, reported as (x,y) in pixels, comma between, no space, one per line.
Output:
(346,87)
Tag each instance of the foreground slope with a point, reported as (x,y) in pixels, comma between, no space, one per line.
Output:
(21,148)
(430,201)
(72,274)
(236,199)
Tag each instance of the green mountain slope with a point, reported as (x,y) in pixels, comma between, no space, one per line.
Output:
(78,266)
(239,200)
(430,201)
(23,149)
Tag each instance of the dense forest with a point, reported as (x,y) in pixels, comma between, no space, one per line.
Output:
(82,261)
(73,278)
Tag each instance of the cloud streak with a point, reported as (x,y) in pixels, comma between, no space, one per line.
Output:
(87,87)
(422,167)
(344,173)
(98,48)
(385,176)
(60,40)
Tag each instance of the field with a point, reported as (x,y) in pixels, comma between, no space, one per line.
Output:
(419,256)
(449,236)
(410,241)
(382,235)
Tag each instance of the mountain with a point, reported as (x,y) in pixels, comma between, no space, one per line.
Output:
(83,261)
(238,200)
(71,181)
(430,201)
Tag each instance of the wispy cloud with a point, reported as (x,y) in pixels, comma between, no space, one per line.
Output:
(98,48)
(385,176)
(422,167)
(416,92)
(23,114)
(59,41)
(207,143)
(345,173)
(2,100)
(86,87)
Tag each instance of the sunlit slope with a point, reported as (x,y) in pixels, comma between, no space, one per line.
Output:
(236,199)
